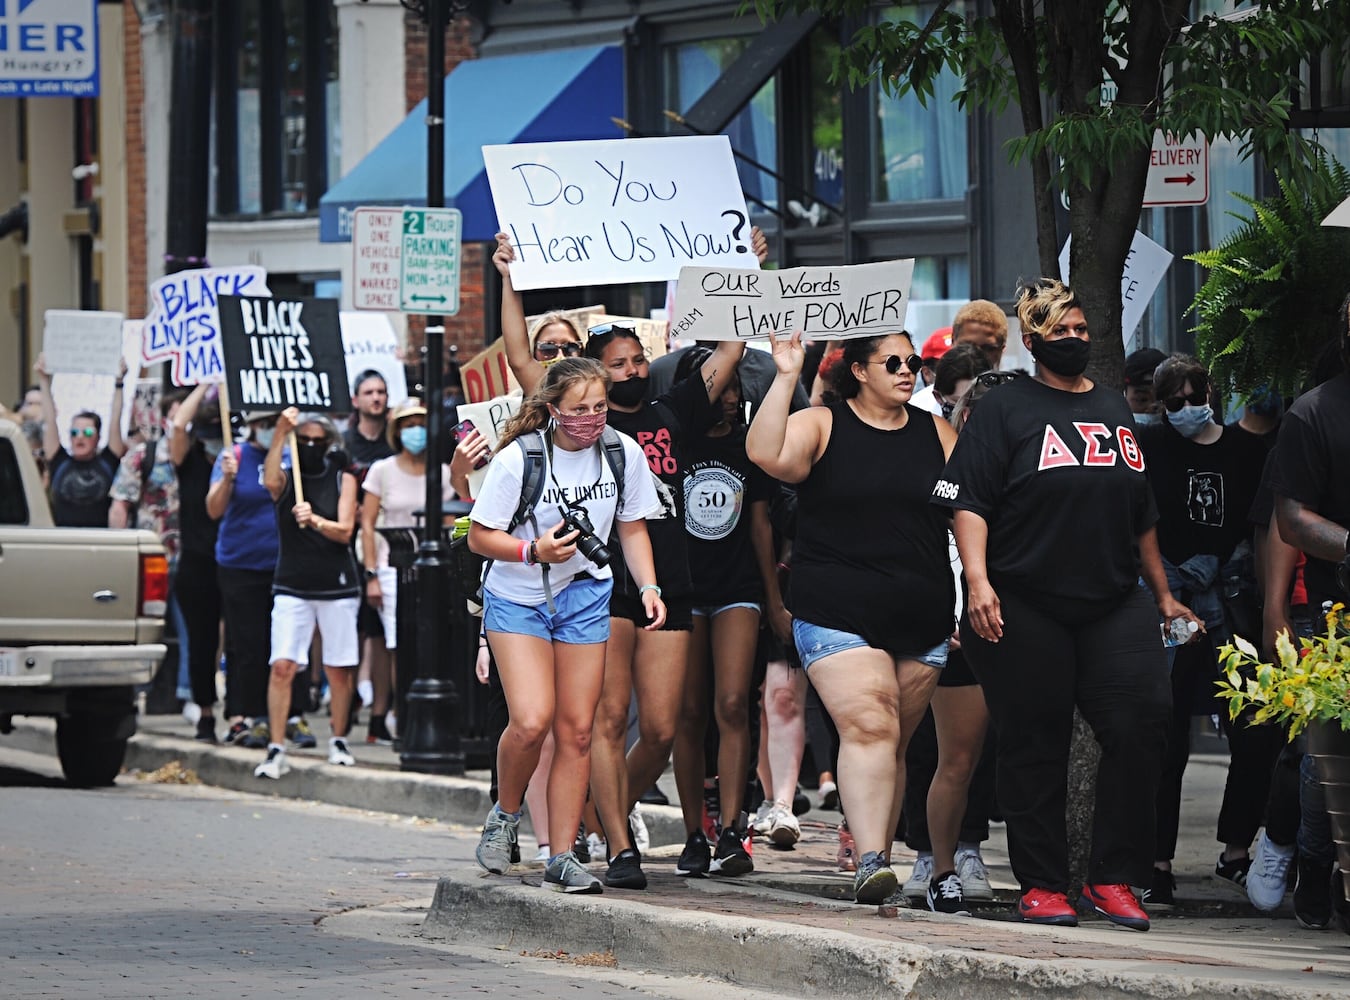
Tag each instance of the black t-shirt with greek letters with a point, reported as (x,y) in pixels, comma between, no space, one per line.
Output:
(721,485)
(1059,477)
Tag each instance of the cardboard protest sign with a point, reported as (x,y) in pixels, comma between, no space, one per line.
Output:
(489,419)
(184,325)
(145,415)
(284,352)
(1145,265)
(825,303)
(75,392)
(369,341)
(82,341)
(618,210)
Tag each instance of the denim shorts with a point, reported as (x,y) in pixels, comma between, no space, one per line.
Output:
(713,610)
(815,642)
(582,615)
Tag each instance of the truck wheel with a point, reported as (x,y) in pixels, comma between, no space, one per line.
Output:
(91,748)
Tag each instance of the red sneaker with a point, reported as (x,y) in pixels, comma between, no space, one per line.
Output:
(1041,906)
(1117,904)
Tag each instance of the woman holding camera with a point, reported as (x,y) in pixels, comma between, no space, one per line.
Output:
(546,605)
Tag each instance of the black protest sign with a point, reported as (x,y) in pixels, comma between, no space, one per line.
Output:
(282,352)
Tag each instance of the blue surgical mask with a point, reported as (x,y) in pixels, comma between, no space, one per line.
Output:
(414,439)
(1147,419)
(1191,420)
(263,435)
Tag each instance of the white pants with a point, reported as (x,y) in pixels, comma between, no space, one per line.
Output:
(389,606)
(293,622)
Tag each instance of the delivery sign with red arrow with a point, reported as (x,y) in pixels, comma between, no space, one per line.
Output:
(1178,171)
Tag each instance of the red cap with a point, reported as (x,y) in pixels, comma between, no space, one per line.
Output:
(938,344)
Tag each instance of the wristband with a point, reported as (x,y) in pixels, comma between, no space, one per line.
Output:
(534,550)
(649,586)
(117,384)
(525,553)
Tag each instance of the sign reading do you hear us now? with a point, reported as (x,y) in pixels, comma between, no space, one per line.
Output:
(284,352)
(618,210)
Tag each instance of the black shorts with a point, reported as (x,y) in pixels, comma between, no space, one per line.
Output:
(679,612)
(771,649)
(957,672)
(368,624)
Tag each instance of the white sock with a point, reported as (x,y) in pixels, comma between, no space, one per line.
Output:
(367,692)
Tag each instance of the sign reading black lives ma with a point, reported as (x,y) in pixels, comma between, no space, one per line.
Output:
(283,352)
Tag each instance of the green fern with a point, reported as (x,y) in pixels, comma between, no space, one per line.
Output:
(1268,304)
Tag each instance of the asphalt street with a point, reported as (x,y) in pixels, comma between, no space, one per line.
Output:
(167,890)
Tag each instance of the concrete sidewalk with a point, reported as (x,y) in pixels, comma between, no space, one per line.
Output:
(788,927)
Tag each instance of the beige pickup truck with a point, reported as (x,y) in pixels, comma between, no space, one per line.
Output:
(81,619)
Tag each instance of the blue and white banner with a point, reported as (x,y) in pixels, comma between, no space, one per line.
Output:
(48,48)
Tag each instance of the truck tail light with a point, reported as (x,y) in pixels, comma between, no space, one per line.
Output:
(154,586)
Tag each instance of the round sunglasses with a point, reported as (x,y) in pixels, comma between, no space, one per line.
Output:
(893,363)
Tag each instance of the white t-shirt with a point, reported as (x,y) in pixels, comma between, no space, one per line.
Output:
(926,399)
(584,477)
(400,494)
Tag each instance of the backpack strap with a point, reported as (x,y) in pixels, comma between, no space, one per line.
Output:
(531,490)
(148,464)
(613,452)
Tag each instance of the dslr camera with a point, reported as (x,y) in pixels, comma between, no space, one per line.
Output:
(576,519)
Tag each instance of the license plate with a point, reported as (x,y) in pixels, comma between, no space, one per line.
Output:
(9,662)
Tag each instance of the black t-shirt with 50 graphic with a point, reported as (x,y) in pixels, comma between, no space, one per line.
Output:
(1059,477)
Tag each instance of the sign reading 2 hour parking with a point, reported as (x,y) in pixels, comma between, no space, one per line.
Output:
(48,48)
(430,261)
(284,352)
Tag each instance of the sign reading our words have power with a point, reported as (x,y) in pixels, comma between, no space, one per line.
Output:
(284,352)
(825,303)
(619,210)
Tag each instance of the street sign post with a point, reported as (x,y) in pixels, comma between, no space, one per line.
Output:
(1178,171)
(430,261)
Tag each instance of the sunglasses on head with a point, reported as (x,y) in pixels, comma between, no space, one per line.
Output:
(550,351)
(893,363)
(1198,398)
(605,329)
(990,379)
(82,432)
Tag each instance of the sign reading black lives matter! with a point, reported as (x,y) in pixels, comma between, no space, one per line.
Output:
(284,352)
(825,303)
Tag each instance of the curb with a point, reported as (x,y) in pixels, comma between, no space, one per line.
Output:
(464,801)
(507,913)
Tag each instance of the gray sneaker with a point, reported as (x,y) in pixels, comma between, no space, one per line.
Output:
(498,841)
(875,880)
(565,874)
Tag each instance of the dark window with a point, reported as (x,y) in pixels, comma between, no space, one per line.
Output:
(13,504)
(274,136)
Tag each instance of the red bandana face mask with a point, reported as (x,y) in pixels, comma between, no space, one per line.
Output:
(583,428)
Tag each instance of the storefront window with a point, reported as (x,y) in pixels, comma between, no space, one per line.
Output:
(940,278)
(827,120)
(919,153)
(690,70)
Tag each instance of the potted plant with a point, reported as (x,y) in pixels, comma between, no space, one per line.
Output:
(1307,688)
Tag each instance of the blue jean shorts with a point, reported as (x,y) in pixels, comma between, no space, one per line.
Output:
(582,615)
(814,642)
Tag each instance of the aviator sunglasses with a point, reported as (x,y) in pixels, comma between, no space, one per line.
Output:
(82,432)
(550,351)
(894,363)
(990,379)
(1198,398)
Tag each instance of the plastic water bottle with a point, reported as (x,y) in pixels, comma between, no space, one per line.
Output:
(1178,631)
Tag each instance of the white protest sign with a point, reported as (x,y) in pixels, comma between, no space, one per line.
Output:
(618,210)
(489,419)
(1145,265)
(184,321)
(825,303)
(369,341)
(82,341)
(72,393)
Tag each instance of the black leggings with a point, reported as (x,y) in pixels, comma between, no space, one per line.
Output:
(198,593)
(1110,664)
(246,600)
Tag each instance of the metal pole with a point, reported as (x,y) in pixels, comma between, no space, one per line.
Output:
(430,741)
(189,136)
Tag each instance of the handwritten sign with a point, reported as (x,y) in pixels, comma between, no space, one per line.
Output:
(82,341)
(489,419)
(184,321)
(1145,265)
(825,303)
(369,341)
(284,352)
(618,210)
(73,393)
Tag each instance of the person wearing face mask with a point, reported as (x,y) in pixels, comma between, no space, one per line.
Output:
(546,603)
(1139,368)
(316,584)
(1205,477)
(1055,524)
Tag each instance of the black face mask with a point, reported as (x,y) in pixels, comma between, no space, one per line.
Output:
(1067,356)
(631,392)
(311,458)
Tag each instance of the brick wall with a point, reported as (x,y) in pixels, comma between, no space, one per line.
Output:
(137,282)
(465,330)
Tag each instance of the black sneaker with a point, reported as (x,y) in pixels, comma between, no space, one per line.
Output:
(236,732)
(654,797)
(1312,894)
(580,848)
(944,894)
(696,857)
(625,871)
(801,805)
(377,732)
(206,729)
(1233,873)
(731,858)
(1161,894)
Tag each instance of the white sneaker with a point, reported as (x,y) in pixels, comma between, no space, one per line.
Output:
(599,850)
(784,830)
(274,766)
(1268,877)
(543,855)
(192,712)
(974,876)
(338,752)
(916,886)
(762,821)
(638,827)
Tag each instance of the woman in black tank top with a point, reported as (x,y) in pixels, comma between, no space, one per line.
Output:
(871,592)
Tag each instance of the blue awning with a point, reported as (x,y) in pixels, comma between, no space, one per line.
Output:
(547,96)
